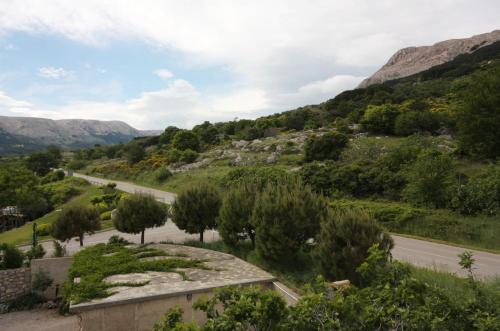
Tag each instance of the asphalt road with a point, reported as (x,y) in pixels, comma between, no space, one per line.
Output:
(418,252)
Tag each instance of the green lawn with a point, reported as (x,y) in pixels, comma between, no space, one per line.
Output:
(24,233)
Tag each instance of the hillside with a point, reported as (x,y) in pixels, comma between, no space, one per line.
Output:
(411,60)
(26,134)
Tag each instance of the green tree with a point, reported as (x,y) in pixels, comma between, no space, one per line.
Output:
(207,133)
(196,209)
(344,240)
(75,221)
(137,212)
(55,152)
(41,163)
(134,153)
(168,135)
(285,216)
(412,122)
(185,139)
(325,147)
(478,120)
(235,216)
(431,179)
(379,119)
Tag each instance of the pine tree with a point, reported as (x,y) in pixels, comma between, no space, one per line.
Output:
(75,222)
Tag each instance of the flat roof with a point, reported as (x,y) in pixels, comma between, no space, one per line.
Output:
(224,270)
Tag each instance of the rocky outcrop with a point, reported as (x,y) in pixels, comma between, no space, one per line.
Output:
(411,60)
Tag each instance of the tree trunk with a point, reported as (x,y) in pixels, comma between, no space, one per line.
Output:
(252,238)
(142,237)
(81,241)
(201,235)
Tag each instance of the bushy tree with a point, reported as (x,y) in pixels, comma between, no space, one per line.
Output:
(285,216)
(196,209)
(75,221)
(134,152)
(479,118)
(168,135)
(379,119)
(41,163)
(325,147)
(344,240)
(235,216)
(412,122)
(430,180)
(207,132)
(137,212)
(185,139)
(481,194)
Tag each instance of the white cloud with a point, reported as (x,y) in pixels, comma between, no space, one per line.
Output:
(280,52)
(54,73)
(164,73)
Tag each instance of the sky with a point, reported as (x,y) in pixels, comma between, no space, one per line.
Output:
(158,63)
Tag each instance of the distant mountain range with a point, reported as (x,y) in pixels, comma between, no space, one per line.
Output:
(26,134)
(412,60)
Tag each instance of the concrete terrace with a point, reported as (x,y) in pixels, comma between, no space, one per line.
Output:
(223,270)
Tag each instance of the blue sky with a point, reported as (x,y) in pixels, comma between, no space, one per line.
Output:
(158,63)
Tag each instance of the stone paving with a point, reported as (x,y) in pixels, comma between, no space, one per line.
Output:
(222,270)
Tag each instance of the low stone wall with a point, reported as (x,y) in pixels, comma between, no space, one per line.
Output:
(57,269)
(14,283)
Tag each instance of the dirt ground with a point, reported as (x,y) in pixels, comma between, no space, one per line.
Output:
(38,319)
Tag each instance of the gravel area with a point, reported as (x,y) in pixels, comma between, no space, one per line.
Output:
(39,320)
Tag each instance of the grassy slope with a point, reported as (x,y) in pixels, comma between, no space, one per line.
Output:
(24,234)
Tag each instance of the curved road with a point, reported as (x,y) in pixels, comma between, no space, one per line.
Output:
(418,252)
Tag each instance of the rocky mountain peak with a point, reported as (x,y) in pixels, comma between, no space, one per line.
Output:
(411,60)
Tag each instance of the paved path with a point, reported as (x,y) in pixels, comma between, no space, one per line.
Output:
(418,252)
(39,320)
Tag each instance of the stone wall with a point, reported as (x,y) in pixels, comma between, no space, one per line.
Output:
(14,283)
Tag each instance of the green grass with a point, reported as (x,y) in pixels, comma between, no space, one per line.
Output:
(24,233)
(93,264)
(481,232)
(457,288)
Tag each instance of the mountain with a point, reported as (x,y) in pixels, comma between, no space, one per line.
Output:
(26,134)
(412,60)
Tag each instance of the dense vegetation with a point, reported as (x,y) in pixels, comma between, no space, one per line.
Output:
(390,299)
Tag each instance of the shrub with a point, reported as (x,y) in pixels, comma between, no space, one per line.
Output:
(53,176)
(168,135)
(76,164)
(344,240)
(41,281)
(43,230)
(481,194)
(285,216)
(139,212)
(59,250)
(188,156)
(36,252)
(379,119)
(75,222)
(412,122)
(134,152)
(259,176)
(325,147)
(174,155)
(105,216)
(196,209)
(430,180)
(162,174)
(12,257)
(25,302)
(185,139)
(117,240)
